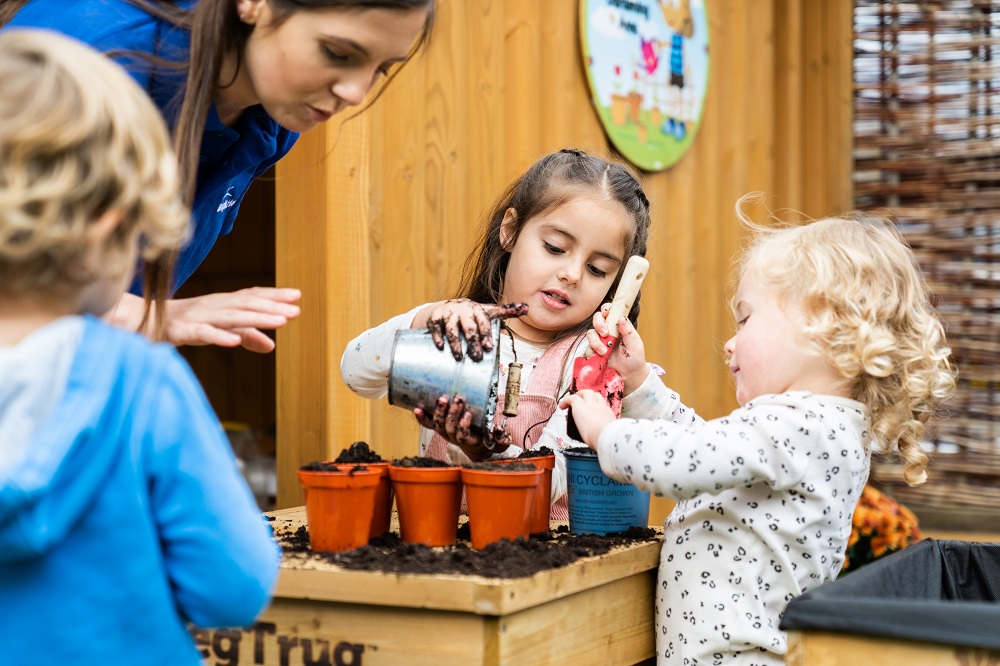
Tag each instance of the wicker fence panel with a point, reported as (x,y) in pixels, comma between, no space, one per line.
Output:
(927,149)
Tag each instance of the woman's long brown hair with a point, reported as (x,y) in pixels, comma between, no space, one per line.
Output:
(215,31)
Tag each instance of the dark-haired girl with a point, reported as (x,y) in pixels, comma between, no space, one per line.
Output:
(555,241)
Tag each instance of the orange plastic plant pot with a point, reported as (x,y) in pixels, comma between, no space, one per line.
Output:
(339,508)
(427,503)
(501,504)
(382,514)
(543,497)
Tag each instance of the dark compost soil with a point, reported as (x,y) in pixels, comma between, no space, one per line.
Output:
(420,461)
(503,559)
(358,452)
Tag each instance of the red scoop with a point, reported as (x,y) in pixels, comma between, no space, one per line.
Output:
(593,373)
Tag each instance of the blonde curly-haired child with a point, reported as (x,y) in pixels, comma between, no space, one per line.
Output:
(837,353)
(123,516)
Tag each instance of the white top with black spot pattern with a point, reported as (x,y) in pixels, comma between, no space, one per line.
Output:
(765,501)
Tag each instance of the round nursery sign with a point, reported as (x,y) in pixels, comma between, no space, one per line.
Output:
(647,66)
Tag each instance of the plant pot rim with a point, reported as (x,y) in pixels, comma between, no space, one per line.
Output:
(502,478)
(437,474)
(542,462)
(339,478)
(381,467)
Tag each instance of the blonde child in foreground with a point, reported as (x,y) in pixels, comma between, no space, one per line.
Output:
(123,515)
(837,352)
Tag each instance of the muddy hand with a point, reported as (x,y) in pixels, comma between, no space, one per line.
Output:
(451,319)
(483,341)
(454,318)
(452,421)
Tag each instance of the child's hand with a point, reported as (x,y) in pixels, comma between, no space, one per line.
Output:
(629,354)
(454,422)
(591,412)
(453,318)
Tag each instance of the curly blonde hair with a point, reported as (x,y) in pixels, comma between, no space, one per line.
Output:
(78,139)
(868,312)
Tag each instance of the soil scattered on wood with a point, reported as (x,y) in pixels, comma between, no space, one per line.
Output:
(503,559)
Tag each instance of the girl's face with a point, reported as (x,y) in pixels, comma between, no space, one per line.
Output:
(317,62)
(563,263)
(770,352)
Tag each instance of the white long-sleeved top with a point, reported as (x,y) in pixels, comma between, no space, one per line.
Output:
(364,367)
(765,501)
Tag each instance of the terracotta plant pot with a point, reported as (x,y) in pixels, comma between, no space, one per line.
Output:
(543,496)
(382,513)
(427,502)
(339,507)
(501,503)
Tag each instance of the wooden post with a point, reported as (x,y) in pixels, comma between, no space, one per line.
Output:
(321,242)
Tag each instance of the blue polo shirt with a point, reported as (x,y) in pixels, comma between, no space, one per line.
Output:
(231,157)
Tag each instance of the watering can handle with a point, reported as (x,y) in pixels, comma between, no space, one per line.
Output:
(628,288)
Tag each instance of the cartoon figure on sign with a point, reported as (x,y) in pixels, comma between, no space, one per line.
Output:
(677,14)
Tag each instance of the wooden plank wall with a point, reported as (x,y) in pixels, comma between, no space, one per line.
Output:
(376,215)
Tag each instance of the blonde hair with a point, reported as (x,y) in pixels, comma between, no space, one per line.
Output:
(78,139)
(867,310)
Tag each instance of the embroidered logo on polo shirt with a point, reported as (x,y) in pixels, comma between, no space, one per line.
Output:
(228,201)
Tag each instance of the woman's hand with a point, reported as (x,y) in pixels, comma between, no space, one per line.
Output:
(227,319)
(448,320)
(628,356)
(453,421)
(591,413)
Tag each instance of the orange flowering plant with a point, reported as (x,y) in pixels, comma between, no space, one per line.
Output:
(880,526)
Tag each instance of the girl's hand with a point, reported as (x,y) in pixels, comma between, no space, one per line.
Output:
(454,422)
(454,318)
(229,319)
(591,412)
(629,354)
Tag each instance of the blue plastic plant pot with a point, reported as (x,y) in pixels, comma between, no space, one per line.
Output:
(597,503)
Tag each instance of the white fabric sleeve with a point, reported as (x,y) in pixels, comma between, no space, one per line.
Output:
(364,365)
(680,460)
(651,400)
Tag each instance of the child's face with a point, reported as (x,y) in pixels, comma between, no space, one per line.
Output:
(98,297)
(563,263)
(771,352)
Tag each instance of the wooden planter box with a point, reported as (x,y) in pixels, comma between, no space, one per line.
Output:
(597,610)
(818,648)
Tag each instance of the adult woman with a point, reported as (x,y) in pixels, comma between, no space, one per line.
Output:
(236,80)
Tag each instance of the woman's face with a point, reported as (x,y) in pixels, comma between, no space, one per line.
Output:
(319,61)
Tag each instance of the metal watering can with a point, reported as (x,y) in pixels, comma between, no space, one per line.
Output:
(420,373)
